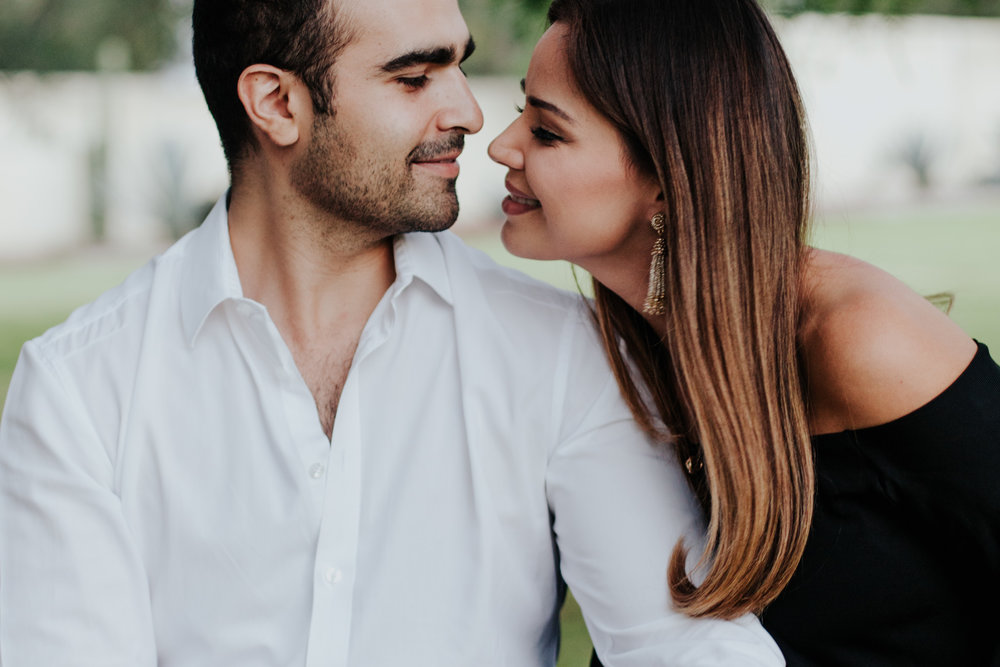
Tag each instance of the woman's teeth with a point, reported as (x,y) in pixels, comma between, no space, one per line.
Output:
(524,200)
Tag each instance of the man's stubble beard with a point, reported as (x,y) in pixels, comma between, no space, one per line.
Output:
(380,197)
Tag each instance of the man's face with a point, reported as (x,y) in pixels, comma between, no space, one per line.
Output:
(385,161)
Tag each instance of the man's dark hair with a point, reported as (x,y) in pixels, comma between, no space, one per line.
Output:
(300,36)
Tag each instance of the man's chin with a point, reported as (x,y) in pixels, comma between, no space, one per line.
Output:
(438,225)
(436,216)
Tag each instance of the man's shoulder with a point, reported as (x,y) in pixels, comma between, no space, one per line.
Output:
(524,319)
(116,313)
(550,353)
(505,287)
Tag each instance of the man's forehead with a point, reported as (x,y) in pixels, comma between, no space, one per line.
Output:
(388,36)
(406,22)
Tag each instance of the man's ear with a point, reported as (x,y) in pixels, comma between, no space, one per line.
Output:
(276,102)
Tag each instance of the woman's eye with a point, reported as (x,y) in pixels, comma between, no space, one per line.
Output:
(413,82)
(544,136)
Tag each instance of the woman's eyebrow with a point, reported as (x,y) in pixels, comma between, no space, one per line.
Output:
(548,106)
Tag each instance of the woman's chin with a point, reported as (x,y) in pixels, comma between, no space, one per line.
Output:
(516,244)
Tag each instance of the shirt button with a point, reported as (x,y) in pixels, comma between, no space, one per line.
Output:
(316,470)
(333,576)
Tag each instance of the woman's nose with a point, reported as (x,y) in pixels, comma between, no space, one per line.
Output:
(503,149)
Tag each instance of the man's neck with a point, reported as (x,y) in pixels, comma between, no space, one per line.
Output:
(310,270)
(319,279)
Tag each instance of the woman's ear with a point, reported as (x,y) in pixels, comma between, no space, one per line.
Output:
(655,202)
(273,100)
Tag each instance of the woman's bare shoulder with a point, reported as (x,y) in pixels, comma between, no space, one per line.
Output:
(874,349)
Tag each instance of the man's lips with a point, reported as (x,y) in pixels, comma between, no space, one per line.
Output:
(438,157)
(443,165)
(450,156)
(518,202)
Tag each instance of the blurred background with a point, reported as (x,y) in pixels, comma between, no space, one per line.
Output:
(107,152)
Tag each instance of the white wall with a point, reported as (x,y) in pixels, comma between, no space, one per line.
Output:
(869,84)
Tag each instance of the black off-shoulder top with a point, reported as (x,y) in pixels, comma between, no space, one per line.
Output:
(902,566)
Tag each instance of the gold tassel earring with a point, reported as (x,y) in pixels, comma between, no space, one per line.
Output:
(655,303)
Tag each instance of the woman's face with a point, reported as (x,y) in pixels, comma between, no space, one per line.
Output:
(573,193)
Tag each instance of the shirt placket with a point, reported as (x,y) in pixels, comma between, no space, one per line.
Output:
(330,473)
(337,546)
(334,575)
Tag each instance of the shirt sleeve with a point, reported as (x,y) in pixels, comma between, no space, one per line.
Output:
(72,586)
(620,504)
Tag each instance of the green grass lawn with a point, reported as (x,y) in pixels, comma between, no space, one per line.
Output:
(956,252)
(933,252)
(36,296)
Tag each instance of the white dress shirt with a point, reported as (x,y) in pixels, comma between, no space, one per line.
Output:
(168,496)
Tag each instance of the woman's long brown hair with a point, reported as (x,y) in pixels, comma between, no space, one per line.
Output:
(705,100)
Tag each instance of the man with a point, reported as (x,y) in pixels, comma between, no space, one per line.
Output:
(303,436)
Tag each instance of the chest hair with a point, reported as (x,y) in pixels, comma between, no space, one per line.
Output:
(325,373)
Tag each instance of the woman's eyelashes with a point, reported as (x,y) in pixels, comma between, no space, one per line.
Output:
(545,137)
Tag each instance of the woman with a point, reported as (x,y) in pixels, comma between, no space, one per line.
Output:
(842,433)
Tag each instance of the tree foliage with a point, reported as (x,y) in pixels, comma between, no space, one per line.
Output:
(947,7)
(55,35)
(52,35)
(506,30)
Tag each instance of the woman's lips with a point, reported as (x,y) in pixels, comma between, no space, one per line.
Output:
(518,202)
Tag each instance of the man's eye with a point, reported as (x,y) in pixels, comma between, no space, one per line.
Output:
(413,82)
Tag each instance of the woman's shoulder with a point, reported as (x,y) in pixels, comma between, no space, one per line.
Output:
(874,350)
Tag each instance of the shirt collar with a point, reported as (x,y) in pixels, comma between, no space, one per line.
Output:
(210,275)
(419,255)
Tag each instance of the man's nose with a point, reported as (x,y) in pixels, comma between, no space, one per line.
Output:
(463,112)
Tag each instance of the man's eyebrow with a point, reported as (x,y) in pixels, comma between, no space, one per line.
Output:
(442,55)
(548,106)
